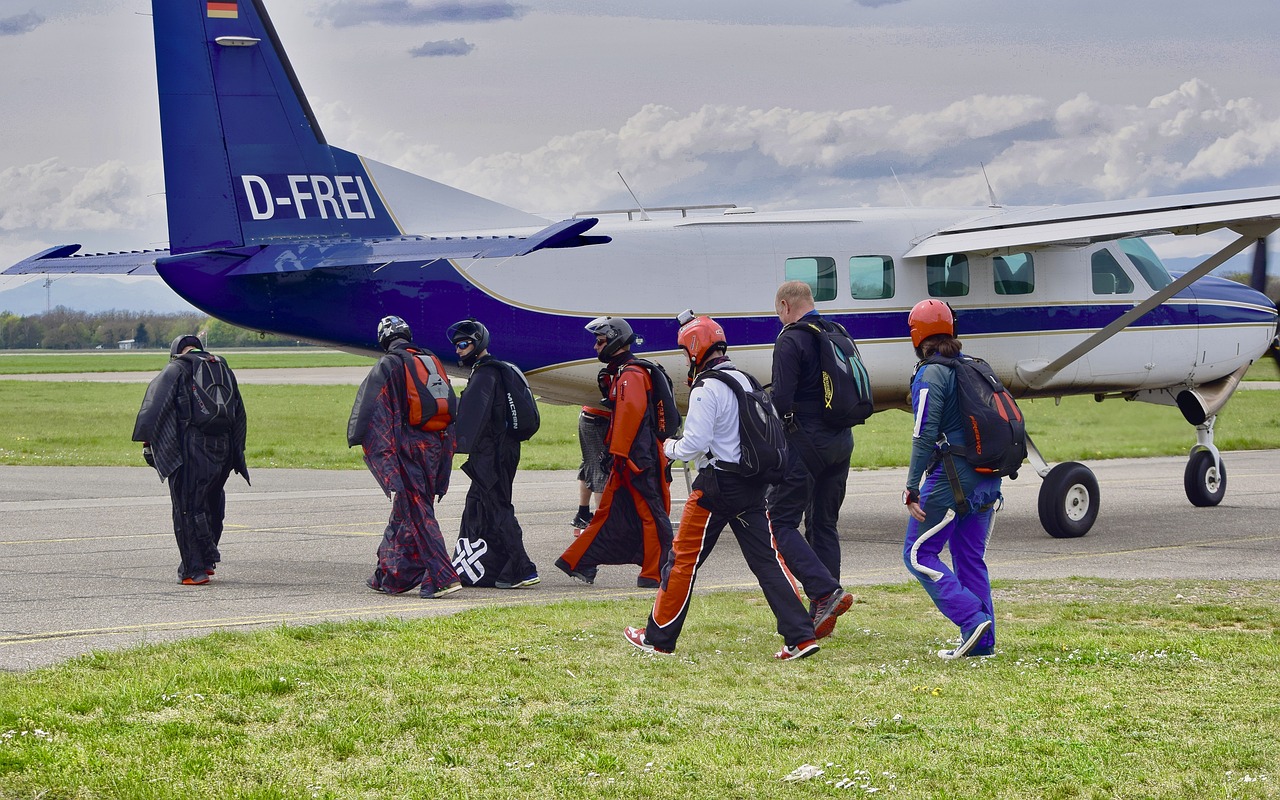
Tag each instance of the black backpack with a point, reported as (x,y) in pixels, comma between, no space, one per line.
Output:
(214,400)
(761,437)
(995,432)
(662,400)
(520,409)
(846,386)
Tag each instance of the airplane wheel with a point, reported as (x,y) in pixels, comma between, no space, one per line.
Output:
(1205,482)
(1069,500)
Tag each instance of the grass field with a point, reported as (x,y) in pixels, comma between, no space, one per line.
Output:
(29,363)
(1100,689)
(90,424)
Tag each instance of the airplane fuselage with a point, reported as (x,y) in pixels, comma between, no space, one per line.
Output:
(729,266)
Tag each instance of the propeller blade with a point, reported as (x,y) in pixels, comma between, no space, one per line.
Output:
(1258,280)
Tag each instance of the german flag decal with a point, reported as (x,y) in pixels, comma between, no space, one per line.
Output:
(223,10)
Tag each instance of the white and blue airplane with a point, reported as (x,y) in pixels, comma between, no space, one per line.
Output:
(273,229)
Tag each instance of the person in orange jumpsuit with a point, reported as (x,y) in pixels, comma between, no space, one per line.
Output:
(633,523)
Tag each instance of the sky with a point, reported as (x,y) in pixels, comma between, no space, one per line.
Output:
(540,104)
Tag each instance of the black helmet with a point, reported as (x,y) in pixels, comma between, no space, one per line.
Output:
(182,342)
(469,330)
(393,328)
(616,331)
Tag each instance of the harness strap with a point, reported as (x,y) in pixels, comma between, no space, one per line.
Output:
(949,464)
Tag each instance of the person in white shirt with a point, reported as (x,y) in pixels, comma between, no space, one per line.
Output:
(720,496)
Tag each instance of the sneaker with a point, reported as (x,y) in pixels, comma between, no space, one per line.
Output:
(583,521)
(199,580)
(986,651)
(802,650)
(585,574)
(446,591)
(209,571)
(532,580)
(968,641)
(636,637)
(647,583)
(827,609)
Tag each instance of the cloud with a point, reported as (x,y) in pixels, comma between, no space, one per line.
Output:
(22,23)
(452,47)
(1035,153)
(402,12)
(877,3)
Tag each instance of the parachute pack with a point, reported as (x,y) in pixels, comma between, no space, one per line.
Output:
(431,405)
(214,401)
(761,437)
(520,409)
(993,423)
(846,386)
(662,400)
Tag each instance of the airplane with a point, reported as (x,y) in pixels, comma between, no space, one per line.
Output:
(273,229)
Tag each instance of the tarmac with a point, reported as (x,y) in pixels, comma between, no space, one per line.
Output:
(88,560)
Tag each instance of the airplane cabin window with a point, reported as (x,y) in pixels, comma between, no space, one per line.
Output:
(1014,273)
(1148,263)
(817,271)
(1108,276)
(947,275)
(871,277)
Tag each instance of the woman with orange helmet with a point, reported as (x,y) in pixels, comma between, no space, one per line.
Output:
(938,518)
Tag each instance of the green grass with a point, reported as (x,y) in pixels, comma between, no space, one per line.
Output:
(1102,689)
(154,360)
(304,427)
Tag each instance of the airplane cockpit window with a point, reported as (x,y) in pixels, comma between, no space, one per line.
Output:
(871,277)
(947,275)
(817,271)
(1108,276)
(1148,263)
(1014,273)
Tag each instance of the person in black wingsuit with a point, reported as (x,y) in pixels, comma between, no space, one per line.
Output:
(490,549)
(193,427)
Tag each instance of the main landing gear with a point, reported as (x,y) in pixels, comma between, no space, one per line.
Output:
(1069,495)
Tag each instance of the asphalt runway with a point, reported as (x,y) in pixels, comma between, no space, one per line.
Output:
(88,560)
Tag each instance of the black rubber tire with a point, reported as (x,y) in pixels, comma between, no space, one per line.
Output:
(1069,501)
(1205,484)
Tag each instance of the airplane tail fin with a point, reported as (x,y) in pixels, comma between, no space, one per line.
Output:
(245,160)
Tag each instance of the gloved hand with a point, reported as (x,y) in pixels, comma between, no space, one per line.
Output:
(147,455)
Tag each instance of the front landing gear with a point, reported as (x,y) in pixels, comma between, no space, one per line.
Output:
(1068,497)
(1205,479)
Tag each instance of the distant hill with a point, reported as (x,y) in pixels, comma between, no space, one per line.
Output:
(94,295)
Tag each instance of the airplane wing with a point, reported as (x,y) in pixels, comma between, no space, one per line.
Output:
(1084,223)
(567,233)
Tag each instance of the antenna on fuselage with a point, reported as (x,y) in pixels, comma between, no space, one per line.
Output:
(990,192)
(906,197)
(644,215)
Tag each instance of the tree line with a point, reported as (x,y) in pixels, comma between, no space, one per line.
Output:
(65,329)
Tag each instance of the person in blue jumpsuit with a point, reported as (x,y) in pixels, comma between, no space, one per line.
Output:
(962,591)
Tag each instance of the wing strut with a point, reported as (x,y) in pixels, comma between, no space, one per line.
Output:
(1035,378)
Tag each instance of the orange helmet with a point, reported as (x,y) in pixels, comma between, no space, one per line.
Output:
(929,318)
(698,337)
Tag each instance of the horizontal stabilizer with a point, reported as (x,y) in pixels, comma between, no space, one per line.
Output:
(66,259)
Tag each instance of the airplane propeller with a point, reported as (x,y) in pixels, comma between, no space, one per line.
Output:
(1258,282)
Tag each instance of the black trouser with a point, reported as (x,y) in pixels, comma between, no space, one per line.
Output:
(719,499)
(817,471)
(199,504)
